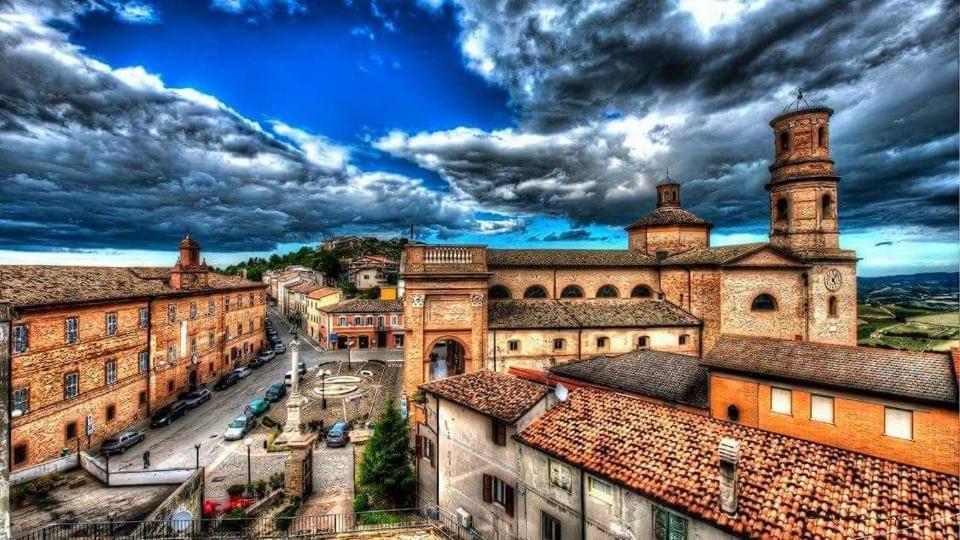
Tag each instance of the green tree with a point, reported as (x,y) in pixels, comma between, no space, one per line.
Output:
(386,478)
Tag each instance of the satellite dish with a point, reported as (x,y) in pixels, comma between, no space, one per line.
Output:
(181,520)
(561,392)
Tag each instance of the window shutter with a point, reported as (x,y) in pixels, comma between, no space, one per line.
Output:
(419,447)
(499,432)
(487,488)
(433,453)
(508,502)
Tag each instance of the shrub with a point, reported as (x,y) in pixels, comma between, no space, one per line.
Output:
(261,488)
(235,490)
(386,471)
(276,480)
(378,518)
(361,503)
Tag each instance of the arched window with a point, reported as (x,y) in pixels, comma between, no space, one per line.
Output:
(608,291)
(764,302)
(641,291)
(832,306)
(499,292)
(783,209)
(826,206)
(822,137)
(535,291)
(784,141)
(571,291)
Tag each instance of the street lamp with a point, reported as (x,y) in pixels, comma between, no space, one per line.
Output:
(323,387)
(349,345)
(248,442)
(197,448)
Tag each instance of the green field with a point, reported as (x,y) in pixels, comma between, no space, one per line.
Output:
(866,311)
(951,319)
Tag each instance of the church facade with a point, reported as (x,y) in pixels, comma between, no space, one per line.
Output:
(470,307)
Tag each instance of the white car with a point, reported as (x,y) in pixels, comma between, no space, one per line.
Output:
(242,372)
(239,427)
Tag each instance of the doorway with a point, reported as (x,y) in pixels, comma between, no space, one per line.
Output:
(381,340)
(447,358)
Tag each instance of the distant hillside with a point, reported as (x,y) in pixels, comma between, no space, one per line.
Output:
(914,312)
(935,290)
(327,261)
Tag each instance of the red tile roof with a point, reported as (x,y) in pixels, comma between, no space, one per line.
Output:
(788,487)
(490,393)
(39,285)
(888,372)
(322,292)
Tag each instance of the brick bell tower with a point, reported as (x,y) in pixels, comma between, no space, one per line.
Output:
(189,272)
(803,185)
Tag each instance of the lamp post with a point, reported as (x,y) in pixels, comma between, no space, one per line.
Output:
(196,447)
(323,388)
(248,442)
(349,348)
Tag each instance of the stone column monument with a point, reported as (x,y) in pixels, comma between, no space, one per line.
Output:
(298,469)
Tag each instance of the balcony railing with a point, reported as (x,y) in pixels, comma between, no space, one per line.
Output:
(447,255)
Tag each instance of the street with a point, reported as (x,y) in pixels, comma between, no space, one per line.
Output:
(225,461)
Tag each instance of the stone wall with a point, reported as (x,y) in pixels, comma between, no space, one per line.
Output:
(5,317)
(188,497)
(517,280)
(858,421)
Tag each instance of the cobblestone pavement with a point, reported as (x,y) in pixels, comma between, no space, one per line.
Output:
(333,482)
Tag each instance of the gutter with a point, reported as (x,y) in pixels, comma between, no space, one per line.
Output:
(583,505)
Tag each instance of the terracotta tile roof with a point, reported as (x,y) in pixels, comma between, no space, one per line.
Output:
(591,313)
(904,374)
(39,285)
(366,305)
(713,255)
(322,292)
(669,215)
(499,395)
(375,259)
(306,288)
(528,314)
(568,257)
(663,375)
(788,487)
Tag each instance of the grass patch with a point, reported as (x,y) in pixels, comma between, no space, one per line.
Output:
(866,311)
(951,319)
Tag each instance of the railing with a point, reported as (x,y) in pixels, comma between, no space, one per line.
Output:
(326,525)
(448,255)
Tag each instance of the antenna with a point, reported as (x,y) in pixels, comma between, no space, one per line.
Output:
(561,392)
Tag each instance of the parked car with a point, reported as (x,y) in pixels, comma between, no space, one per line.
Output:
(257,363)
(257,407)
(275,392)
(168,414)
(242,372)
(279,348)
(120,443)
(239,427)
(339,435)
(195,399)
(226,381)
(267,356)
(302,367)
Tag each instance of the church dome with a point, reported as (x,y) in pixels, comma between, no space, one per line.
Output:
(669,215)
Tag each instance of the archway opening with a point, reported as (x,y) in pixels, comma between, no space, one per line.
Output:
(641,291)
(535,291)
(499,292)
(571,291)
(447,358)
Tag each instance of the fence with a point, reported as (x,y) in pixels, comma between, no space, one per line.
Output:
(322,526)
(64,463)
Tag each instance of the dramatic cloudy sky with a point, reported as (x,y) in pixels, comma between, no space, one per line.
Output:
(266,124)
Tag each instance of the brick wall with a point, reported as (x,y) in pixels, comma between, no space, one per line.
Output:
(858,422)
(517,280)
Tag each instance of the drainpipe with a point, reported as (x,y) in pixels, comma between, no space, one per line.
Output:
(806,305)
(149,355)
(494,350)
(554,282)
(689,288)
(583,507)
(579,342)
(439,401)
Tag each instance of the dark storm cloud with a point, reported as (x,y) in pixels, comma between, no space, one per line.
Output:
(572,235)
(612,94)
(92,156)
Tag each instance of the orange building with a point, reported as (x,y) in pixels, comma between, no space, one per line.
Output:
(96,349)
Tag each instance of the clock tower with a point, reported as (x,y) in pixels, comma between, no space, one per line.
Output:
(189,272)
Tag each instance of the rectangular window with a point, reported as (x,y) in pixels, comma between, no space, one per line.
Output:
(171,353)
(239,300)
(357,321)
(781,400)
(499,432)
(643,342)
(73,330)
(600,490)
(143,361)
(683,339)
(898,423)
(499,491)
(601,342)
(70,431)
(144,318)
(211,306)
(20,454)
(226,303)
(193,345)
(560,476)
(20,338)
(71,385)
(111,371)
(513,345)
(342,321)
(111,412)
(111,324)
(668,526)
(549,527)
(21,400)
(250,326)
(821,408)
(558,344)
(239,329)
(211,340)
(171,313)
(393,320)
(193,310)
(251,299)
(143,398)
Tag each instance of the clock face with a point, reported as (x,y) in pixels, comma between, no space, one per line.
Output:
(832,279)
(189,280)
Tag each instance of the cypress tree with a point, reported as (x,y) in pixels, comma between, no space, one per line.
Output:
(386,478)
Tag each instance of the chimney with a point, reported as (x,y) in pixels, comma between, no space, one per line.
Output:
(729,454)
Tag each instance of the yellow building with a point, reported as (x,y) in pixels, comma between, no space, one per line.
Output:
(316,317)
